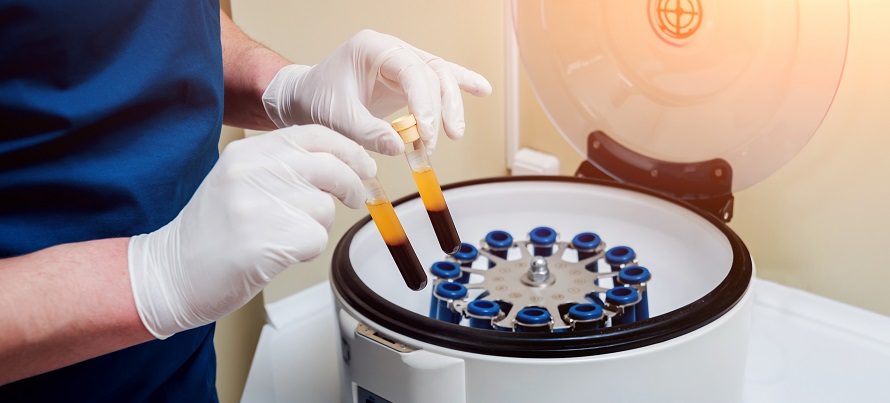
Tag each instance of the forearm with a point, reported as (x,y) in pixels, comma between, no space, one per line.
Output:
(248,68)
(65,304)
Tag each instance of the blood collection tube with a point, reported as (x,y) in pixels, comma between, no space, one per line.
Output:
(542,239)
(447,271)
(465,256)
(623,297)
(637,276)
(427,184)
(617,258)
(499,242)
(588,244)
(586,316)
(447,292)
(532,319)
(620,256)
(394,235)
(481,312)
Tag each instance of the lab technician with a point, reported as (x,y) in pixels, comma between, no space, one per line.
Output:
(123,234)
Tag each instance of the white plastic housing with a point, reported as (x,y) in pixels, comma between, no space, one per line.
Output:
(687,255)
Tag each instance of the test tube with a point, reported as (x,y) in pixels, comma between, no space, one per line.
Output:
(586,316)
(481,313)
(465,256)
(427,184)
(533,319)
(542,239)
(499,242)
(624,297)
(393,234)
(637,276)
(447,271)
(618,258)
(448,292)
(588,244)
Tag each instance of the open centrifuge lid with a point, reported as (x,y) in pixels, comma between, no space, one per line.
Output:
(672,83)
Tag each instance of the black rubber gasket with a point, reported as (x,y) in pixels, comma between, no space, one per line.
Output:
(545,345)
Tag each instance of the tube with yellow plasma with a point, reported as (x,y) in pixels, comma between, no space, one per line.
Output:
(427,184)
(393,234)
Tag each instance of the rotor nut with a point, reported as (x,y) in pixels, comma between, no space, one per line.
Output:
(538,273)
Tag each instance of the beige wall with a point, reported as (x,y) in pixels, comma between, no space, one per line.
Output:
(822,223)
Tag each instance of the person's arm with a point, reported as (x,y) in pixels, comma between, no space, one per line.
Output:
(264,206)
(369,77)
(248,68)
(65,304)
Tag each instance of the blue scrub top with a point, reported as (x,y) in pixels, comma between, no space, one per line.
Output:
(110,113)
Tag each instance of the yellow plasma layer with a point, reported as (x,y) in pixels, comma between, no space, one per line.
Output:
(387,223)
(430,192)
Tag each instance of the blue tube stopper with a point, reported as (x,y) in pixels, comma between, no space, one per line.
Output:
(533,319)
(498,239)
(543,238)
(633,275)
(586,241)
(445,270)
(620,255)
(448,291)
(623,296)
(586,316)
(585,312)
(481,311)
(465,256)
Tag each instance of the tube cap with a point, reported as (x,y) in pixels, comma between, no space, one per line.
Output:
(585,312)
(622,296)
(634,275)
(498,239)
(533,316)
(542,236)
(466,253)
(448,290)
(447,270)
(483,308)
(406,126)
(620,255)
(586,241)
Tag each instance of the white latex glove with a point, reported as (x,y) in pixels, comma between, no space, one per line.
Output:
(369,77)
(264,206)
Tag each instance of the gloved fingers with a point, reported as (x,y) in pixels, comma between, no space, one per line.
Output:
(315,203)
(313,239)
(420,84)
(452,104)
(468,80)
(319,139)
(372,133)
(326,172)
(325,160)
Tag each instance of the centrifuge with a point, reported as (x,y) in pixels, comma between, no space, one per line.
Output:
(623,282)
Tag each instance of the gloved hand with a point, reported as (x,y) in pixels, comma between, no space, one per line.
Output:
(372,76)
(264,206)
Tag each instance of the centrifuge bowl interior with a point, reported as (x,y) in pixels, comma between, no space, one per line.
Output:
(700,268)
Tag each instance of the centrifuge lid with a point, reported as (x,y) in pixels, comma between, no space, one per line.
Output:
(686,81)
